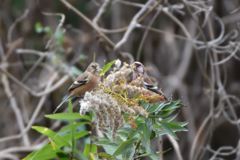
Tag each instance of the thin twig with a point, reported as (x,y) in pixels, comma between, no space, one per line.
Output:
(36,112)
(132,25)
(101,10)
(146,33)
(89,22)
(15,108)
(37,94)
(58,27)
(175,146)
(15,23)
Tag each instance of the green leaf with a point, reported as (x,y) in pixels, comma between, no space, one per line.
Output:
(94,57)
(172,105)
(43,151)
(103,155)
(123,135)
(181,123)
(163,114)
(48,148)
(77,135)
(87,149)
(91,115)
(100,138)
(125,129)
(168,129)
(62,156)
(140,119)
(154,154)
(137,130)
(73,126)
(106,67)
(129,153)
(38,27)
(119,140)
(155,108)
(169,119)
(48,31)
(54,136)
(144,104)
(106,143)
(81,155)
(124,132)
(73,130)
(147,130)
(40,157)
(59,37)
(147,155)
(175,127)
(68,116)
(137,95)
(161,133)
(124,146)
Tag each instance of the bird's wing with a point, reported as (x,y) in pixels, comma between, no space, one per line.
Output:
(150,86)
(81,80)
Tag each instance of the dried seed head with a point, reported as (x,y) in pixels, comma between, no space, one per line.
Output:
(132,123)
(118,63)
(116,76)
(105,108)
(138,81)
(130,89)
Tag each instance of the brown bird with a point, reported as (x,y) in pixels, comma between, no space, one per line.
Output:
(87,81)
(139,70)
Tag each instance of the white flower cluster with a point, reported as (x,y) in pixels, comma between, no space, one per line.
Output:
(105,108)
(118,63)
(118,75)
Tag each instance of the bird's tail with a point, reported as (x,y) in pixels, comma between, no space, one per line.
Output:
(65,99)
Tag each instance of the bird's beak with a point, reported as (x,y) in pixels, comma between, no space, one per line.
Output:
(133,67)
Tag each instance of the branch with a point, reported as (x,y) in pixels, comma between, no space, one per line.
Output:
(132,25)
(15,23)
(15,108)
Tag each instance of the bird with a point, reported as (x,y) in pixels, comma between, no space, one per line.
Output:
(87,81)
(139,70)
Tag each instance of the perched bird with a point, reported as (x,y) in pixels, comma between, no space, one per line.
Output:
(85,82)
(139,70)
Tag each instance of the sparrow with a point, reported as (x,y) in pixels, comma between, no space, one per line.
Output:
(87,81)
(139,70)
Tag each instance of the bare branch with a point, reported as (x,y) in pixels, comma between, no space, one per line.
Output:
(58,27)
(15,23)
(132,25)
(15,108)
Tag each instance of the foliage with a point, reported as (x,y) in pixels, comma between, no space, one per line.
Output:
(129,143)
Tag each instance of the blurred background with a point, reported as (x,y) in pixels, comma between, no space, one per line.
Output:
(190,49)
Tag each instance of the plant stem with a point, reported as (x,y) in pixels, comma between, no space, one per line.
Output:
(90,148)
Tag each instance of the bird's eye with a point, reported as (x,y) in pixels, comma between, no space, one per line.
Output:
(92,65)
